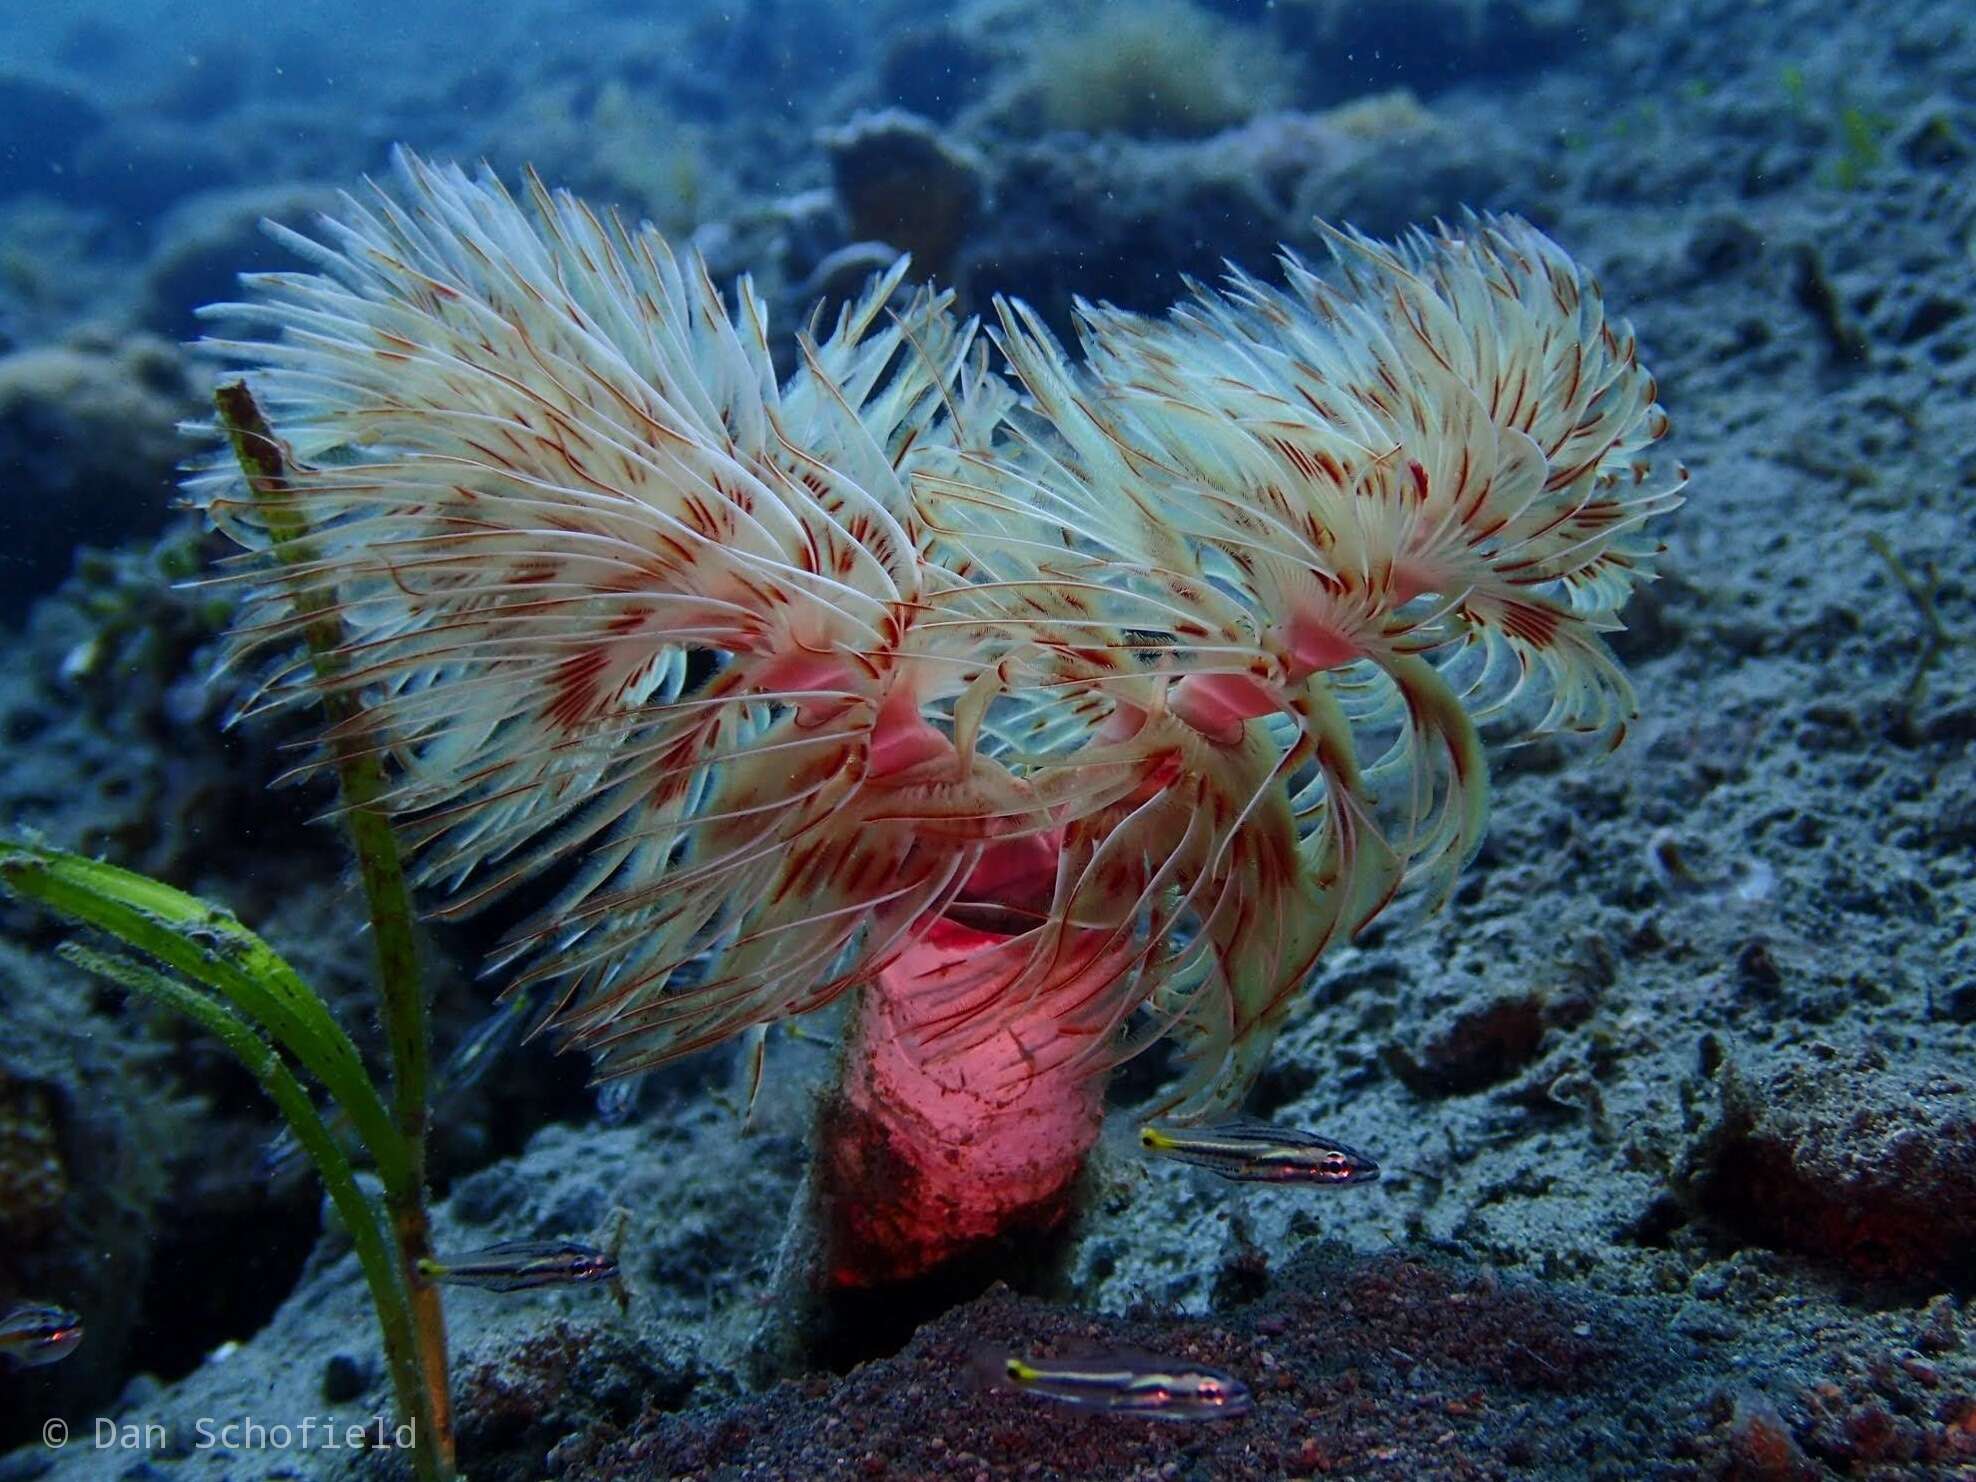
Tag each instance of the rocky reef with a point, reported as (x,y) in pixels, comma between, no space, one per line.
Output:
(1672,1098)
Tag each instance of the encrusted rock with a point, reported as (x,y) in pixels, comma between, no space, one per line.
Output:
(1473,1047)
(89,437)
(205,244)
(1853,1157)
(1761,1446)
(901,183)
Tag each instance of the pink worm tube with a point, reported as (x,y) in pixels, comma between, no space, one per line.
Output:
(921,1164)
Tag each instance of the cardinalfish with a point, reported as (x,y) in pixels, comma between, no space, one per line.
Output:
(35,1333)
(1256,1152)
(524,1265)
(1130,1384)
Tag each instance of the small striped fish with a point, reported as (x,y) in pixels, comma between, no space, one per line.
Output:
(1257,1152)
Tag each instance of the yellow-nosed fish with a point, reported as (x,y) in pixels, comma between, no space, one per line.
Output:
(523,1265)
(34,1333)
(1128,1384)
(1257,1152)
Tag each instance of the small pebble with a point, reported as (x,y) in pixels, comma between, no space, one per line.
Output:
(1939,1333)
(1922,1371)
(487,1195)
(1762,1445)
(1710,1282)
(345,1377)
(1702,1320)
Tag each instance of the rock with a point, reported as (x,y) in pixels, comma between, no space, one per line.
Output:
(1940,1333)
(1930,138)
(1348,1357)
(901,183)
(1472,1047)
(1848,1157)
(1762,1446)
(1757,969)
(487,1195)
(93,43)
(551,1380)
(1723,242)
(1118,222)
(206,243)
(142,1391)
(89,436)
(137,166)
(1122,221)
(1155,69)
(34,1182)
(1428,44)
(1705,1322)
(345,1377)
(809,226)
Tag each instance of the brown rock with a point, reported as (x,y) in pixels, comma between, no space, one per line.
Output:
(1854,1158)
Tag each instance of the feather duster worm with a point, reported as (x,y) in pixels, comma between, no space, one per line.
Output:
(1390,510)
(543,467)
(1051,727)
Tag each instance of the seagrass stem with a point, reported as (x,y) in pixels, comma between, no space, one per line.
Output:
(400,989)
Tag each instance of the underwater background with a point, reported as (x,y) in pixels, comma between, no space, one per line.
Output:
(1673,1100)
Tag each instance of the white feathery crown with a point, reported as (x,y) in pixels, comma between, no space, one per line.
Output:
(1191,641)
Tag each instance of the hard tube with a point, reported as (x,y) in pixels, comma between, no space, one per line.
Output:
(926,1162)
